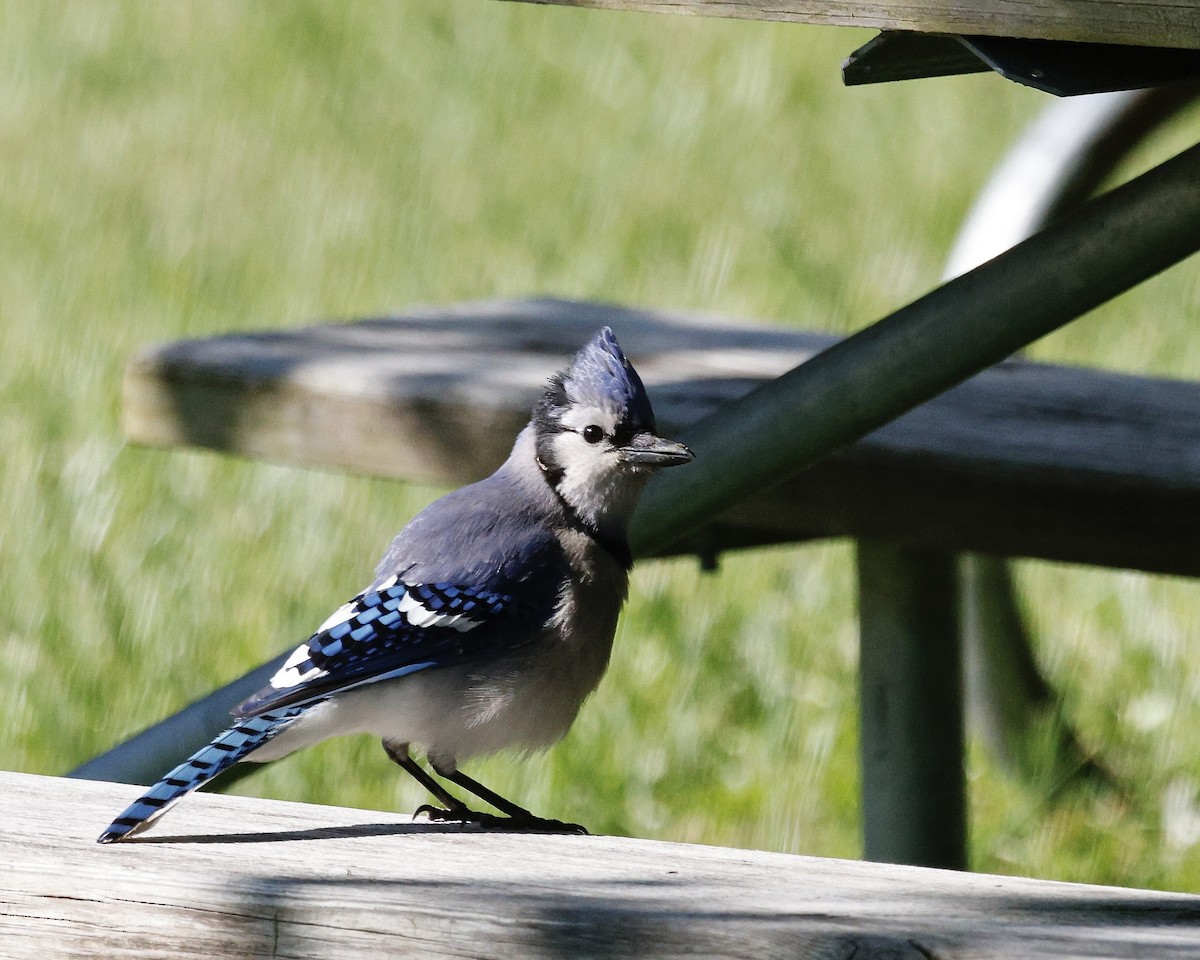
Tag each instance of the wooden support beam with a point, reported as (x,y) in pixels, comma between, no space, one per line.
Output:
(1157,23)
(226,877)
(910,678)
(970,323)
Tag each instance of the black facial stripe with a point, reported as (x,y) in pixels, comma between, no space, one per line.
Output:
(553,475)
(619,549)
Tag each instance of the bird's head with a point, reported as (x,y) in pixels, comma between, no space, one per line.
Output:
(596,439)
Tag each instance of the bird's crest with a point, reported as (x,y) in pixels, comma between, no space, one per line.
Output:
(600,378)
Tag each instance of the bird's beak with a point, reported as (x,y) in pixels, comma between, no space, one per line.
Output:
(649,450)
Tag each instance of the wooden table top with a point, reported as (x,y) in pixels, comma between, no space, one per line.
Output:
(1155,23)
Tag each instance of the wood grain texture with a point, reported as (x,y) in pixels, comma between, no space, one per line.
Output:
(1023,460)
(1156,23)
(237,877)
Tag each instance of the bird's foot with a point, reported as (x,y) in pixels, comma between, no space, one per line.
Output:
(492,821)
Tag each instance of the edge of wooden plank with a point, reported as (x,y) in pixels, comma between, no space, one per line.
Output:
(235,876)
(1156,23)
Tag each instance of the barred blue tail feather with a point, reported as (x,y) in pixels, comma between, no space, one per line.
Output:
(211,761)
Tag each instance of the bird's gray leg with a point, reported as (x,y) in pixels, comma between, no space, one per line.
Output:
(398,753)
(483,793)
(518,818)
(452,808)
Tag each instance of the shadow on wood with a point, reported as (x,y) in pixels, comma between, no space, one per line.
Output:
(274,879)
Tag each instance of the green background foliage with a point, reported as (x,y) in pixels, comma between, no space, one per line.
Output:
(175,170)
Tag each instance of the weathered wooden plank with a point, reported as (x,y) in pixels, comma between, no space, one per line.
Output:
(1157,23)
(1023,460)
(236,877)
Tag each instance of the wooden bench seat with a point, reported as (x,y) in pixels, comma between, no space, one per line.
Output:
(1025,459)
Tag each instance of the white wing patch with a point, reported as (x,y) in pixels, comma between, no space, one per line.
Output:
(421,616)
(340,615)
(299,667)
(291,673)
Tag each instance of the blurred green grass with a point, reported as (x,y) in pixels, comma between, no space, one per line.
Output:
(179,170)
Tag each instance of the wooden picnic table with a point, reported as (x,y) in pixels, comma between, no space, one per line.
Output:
(764,436)
(236,877)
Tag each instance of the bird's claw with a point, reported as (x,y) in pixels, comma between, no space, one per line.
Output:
(491,821)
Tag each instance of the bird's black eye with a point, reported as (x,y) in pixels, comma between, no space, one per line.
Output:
(593,434)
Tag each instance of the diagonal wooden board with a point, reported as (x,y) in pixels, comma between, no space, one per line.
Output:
(238,877)
(1025,459)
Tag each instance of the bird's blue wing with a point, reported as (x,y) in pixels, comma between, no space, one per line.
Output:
(398,628)
(473,573)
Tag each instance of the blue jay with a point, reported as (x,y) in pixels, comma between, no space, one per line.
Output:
(491,616)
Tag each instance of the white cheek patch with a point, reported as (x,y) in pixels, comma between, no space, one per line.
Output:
(591,473)
(574,455)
